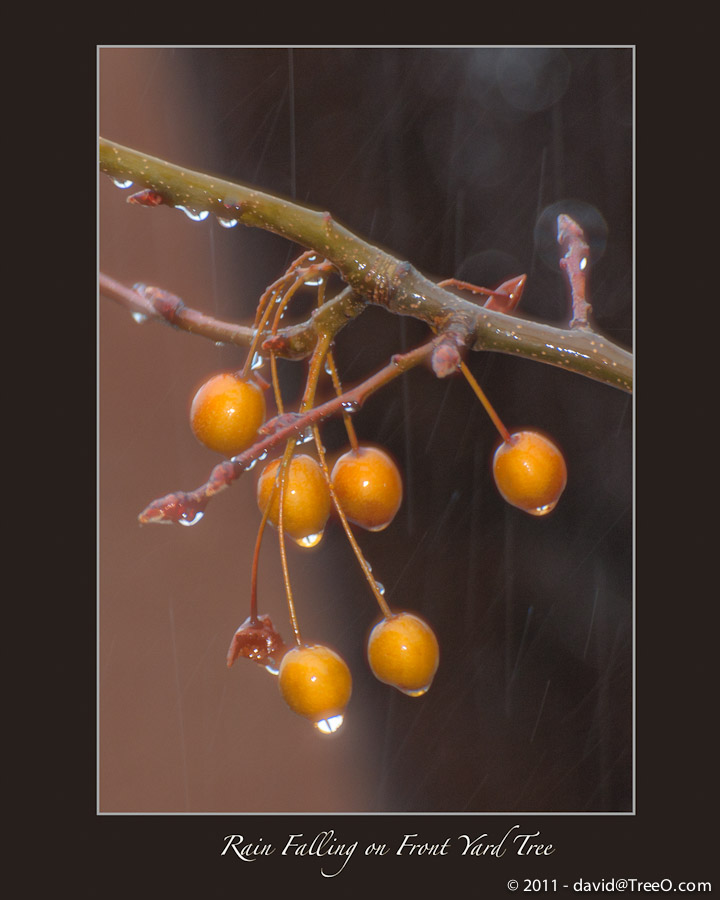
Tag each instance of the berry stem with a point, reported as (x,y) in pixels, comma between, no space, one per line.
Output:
(316,361)
(256,562)
(287,456)
(332,369)
(295,276)
(349,427)
(504,433)
(346,526)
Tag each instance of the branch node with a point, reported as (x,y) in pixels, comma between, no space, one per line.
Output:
(163,302)
(446,356)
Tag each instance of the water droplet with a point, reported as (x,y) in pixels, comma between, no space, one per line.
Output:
(329,725)
(220,344)
(306,436)
(380,588)
(350,406)
(194,214)
(328,367)
(227,223)
(542,510)
(123,185)
(139,317)
(311,540)
(190,517)
(314,282)
(416,693)
(257,363)
(272,668)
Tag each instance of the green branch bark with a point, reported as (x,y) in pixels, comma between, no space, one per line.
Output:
(373,273)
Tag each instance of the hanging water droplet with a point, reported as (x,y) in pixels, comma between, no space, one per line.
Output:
(123,185)
(257,363)
(329,725)
(328,366)
(271,667)
(380,588)
(139,317)
(194,214)
(305,436)
(350,406)
(227,223)
(542,510)
(190,517)
(314,282)
(417,692)
(250,466)
(310,540)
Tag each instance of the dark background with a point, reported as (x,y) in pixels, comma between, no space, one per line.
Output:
(447,158)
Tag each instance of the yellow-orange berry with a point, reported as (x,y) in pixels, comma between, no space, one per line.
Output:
(530,472)
(368,486)
(226,412)
(306,499)
(403,651)
(316,683)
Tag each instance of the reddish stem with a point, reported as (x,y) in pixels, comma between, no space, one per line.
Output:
(183,505)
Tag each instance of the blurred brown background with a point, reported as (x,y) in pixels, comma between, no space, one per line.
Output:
(448,158)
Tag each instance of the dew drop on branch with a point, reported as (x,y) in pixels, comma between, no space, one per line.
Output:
(197,215)
(190,517)
(123,185)
(227,223)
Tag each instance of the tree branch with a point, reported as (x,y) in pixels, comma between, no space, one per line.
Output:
(372,273)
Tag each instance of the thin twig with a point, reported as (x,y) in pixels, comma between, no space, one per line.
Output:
(188,506)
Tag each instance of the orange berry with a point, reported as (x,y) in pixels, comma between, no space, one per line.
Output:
(226,413)
(316,683)
(368,486)
(403,651)
(306,500)
(530,472)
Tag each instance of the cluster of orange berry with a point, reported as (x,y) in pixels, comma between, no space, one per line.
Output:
(296,494)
